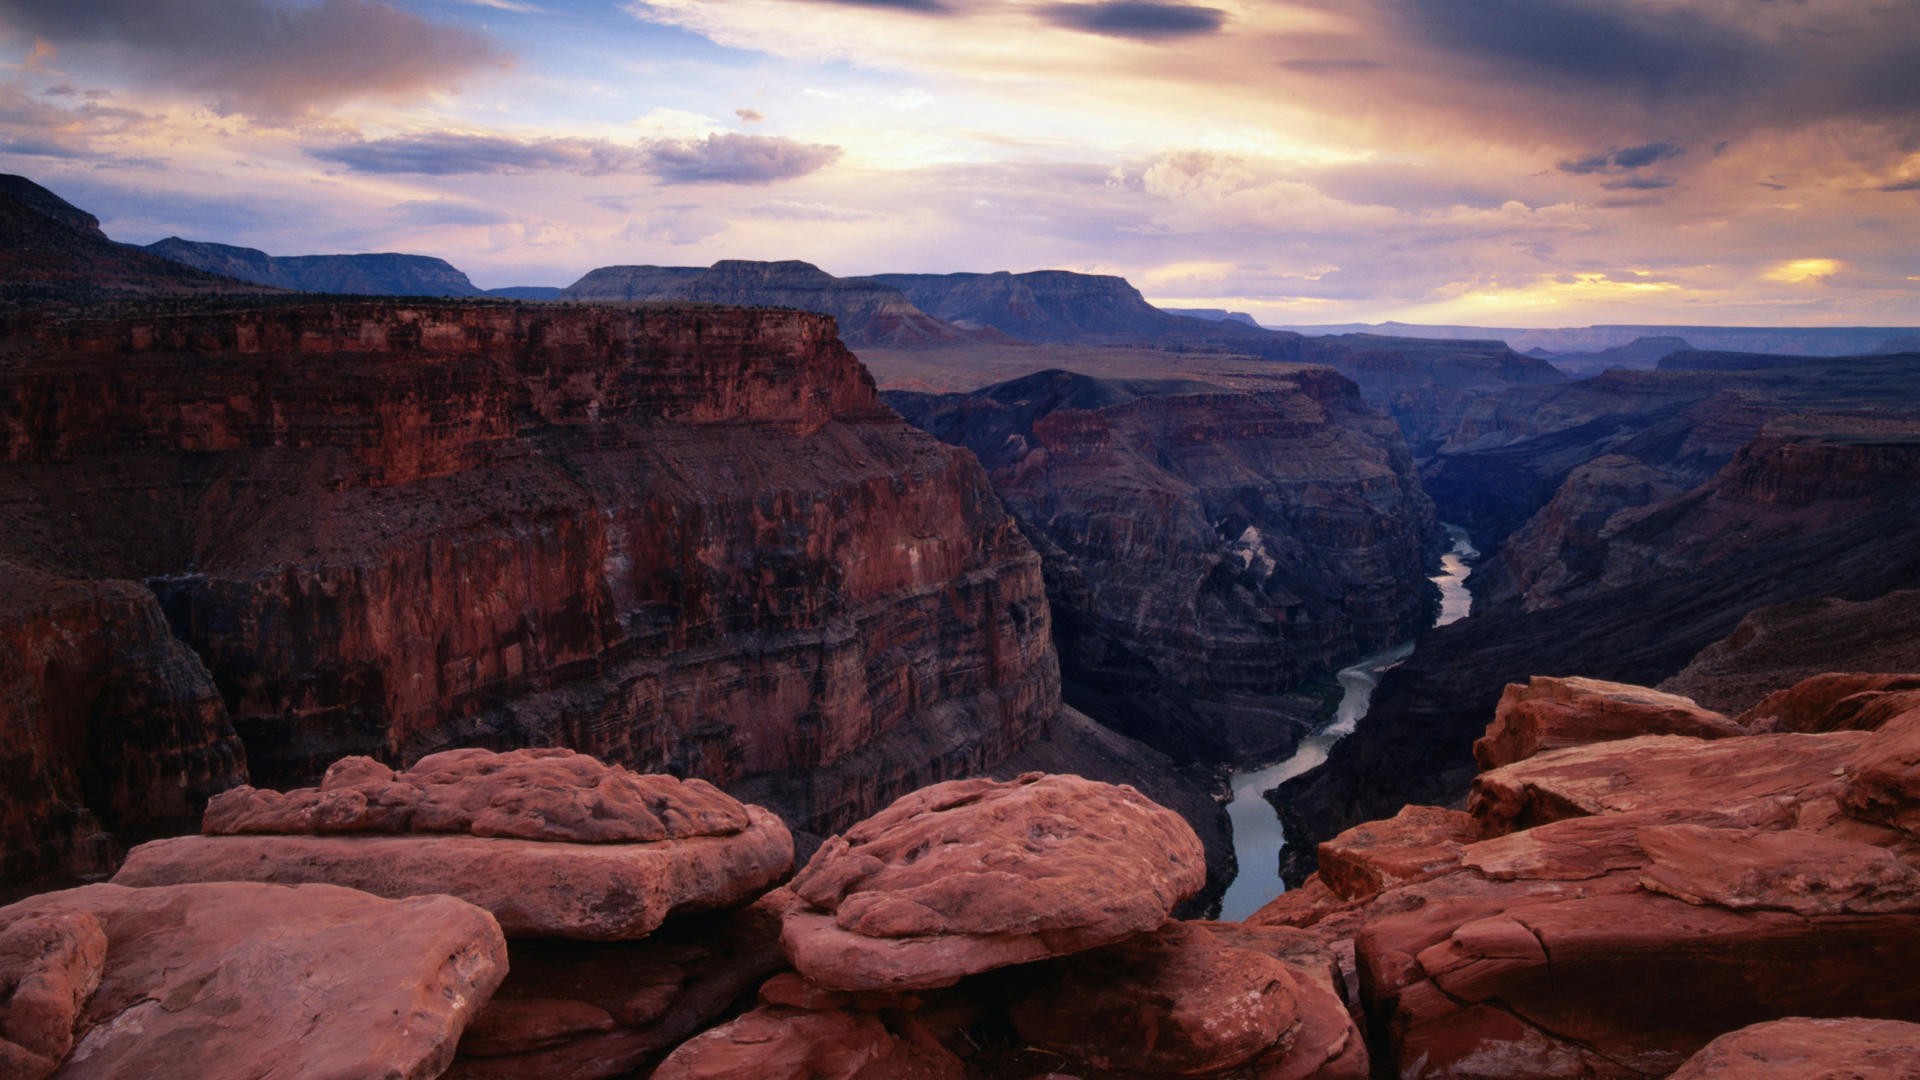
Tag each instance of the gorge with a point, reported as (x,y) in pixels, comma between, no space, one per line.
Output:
(1259,835)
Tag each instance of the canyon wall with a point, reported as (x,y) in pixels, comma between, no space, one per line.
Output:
(1206,549)
(1687,571)
(684,540)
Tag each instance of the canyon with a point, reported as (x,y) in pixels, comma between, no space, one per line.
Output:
(683,702)
(681,539)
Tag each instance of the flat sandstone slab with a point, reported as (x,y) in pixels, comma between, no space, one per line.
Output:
(596,892)
(237,981)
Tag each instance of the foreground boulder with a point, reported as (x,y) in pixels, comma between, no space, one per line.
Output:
(235,981)
(971,875)
(1807,1049)
(553,843)
(1551,714)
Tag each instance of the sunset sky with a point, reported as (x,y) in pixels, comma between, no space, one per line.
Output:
(1495,162)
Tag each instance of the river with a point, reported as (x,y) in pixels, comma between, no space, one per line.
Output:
(1257,835)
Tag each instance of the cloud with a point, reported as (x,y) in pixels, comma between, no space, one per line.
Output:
(1617,161)
(261,58)
(1331,65)
(723,158)
(728,158)
(516,6)
(1639,183)
(1805,271)
(749,116)
(1128,19)
(1902,185)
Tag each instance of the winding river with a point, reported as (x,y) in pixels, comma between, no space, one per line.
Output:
(1257,835)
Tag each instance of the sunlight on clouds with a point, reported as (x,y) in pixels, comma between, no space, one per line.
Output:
(1804,271)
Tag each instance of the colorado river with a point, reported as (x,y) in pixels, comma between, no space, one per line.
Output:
(1257,835)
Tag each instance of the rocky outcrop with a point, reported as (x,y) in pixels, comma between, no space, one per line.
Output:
(552,795)
(1551,714)
(384,274)
(1808,1049)
(239,980)
(1726,882)
(1205,548)
(680,540)
(552,843)
(974,875)
(869,313)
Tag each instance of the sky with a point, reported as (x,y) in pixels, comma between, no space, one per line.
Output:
(1490,162)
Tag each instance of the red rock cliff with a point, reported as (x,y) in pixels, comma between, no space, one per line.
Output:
(686,539)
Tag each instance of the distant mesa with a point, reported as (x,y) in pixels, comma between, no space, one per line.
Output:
(1062,307)
(1212,315)
(1641,352)
(385,274)
(868,313)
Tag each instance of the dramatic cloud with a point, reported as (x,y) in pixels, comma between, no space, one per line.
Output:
(718,159)
(1146,21)
(1618,161)
(263,58)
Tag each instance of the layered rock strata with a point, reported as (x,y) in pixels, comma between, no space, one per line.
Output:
(1736,544)
(1610,907)
(1206,549)
(868,312)
(243,980)
(686,540)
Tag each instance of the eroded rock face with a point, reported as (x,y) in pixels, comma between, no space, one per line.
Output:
(1205,548)
(242,980)
(49,967)
(549,794)
(106,722)
(1551,714)
(1807,1049)
(553,843)
(1775,648)
(689,541)
(967,876)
